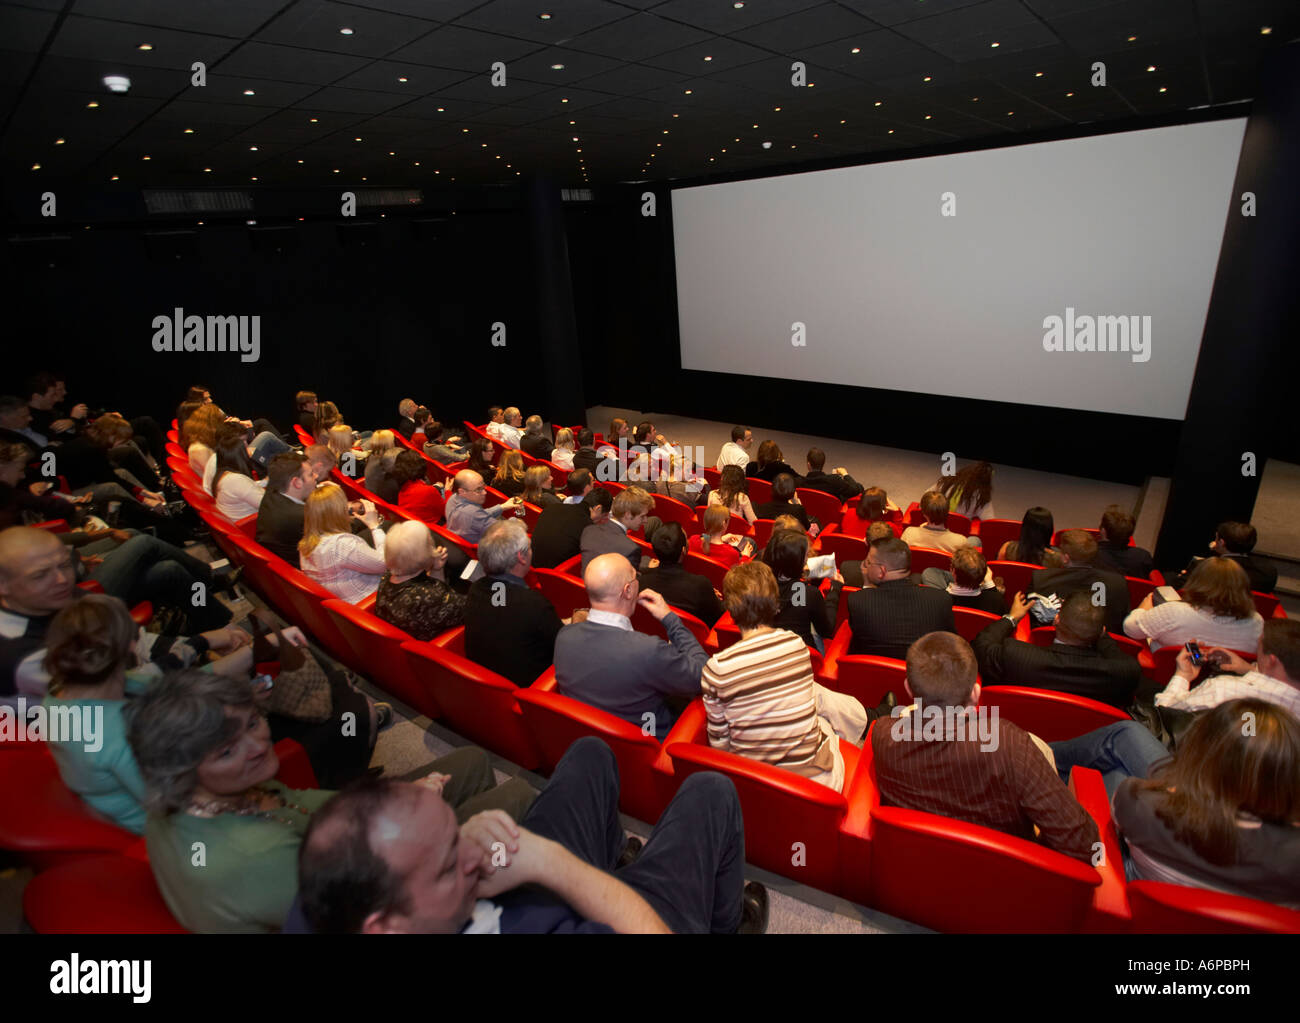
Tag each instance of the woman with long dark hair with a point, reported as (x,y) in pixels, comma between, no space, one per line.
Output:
(1036,531)
(233,488)
(970,491)
(731,493)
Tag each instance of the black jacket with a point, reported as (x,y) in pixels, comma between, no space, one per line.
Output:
(558,534)
(1104,672)
(513,635)
(890,618)
(839,487)
(771,471)
(536,444)
(771,509)
(986,600)
(1073,578)
(686,591)
(1125,560)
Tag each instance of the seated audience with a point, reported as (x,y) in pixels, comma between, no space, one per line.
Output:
(1235,541)
(233,487)
(935,532)
(16,424)
(331,555)
(715,541)
(539,487)
(534,440)
(1079,550)
(305,410)
(327,417)
(509,478)
(587,457)
(969,491)
(509,432)
(1275,675)
(875,506)
(27,500)
(1224,813)
(732,494)
(616,441)
(350,462)
(684,590)
(603,662)
(891,612)
(564,450)
(1036,531)
(1010,787)
(1121,750)
(413,595)
(405,424)
(510,627)
(760,696)
(441,448)
(1082,659)
(967,588)
(415,494)
(290,480)
(1216,609)
(785,502)
(769,464)
(481,453)
(557,536)
(803,609)
(1113,550)
(204,751)
(466,516)
(422,416)
(577,485)
(362,863)
(839,484)
(198,435)
(629,512)
(496,419)
(379,465)
(736,451)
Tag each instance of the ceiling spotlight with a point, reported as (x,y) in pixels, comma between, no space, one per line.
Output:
(557,67)
(113,178)
(1163,89)
(117,83)
(738,4)
(564,101)
(1151,67)
(777,109)
(146,158)
(878,102)
(891,131)
(926,78)
(928,116)
(91,105)
(994,45)
(249,92)
(708,58)
(145,46)
(314,120)
(1132,39)
(391,153)
(689,91)
(37,166)
(345,31)
(1038,74)
(974,99)
(206,170)
(1267,30)
(544,17)
(767,145)
(403,79)
(59,142)
(356,140)
(252,149)
(1068,95)
(300,161)
(856,49)
(189,131)
(442,110)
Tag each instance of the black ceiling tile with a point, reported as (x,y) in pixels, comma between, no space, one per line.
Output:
(637,37)
(287,63)
(722,17)
(575,66)
(385,76)
(355,101)
(725,53)
(265,92)
(553,101)
(236,18)
(446,10)
(519,18)
(482,93)
(111,41)
(14,68)
(633,79)
(464,49)
(58,73)
(969,33)
(316,24)
(794,32)
(190,112)
(452,109)
(26,31)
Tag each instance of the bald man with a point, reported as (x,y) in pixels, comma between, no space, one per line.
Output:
(466,516)
(606,664)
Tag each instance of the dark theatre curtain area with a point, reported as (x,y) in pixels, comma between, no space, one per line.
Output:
(362,313)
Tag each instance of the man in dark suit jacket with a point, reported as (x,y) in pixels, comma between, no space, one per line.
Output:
(1083,660)
(405,424)
(782,502)
(290,479)
(1235,540)
(534,441)
(1080,551)
(684,590)
(604,663)
(557,536)
(629,512)
(894,612)
(1113,551)
(839,484)
(510,628)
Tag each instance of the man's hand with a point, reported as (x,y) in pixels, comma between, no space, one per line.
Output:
(841,471)
(80,411)
(224,641)
(434,781)
(293,634)
(1020,606)
(654,603)
(90,561)
(579,615)
(63,425)
(1184,666)
(1225,659)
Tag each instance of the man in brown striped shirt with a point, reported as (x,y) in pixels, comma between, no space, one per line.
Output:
(1007,784)
(759,693)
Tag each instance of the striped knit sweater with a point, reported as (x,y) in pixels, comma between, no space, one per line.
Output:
(761,703)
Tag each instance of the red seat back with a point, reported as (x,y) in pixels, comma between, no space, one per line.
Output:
(762,532)
(971,621)
(1050,715)
(1266,604)
(1160,908)
(573,566)
(713,476)
(713,569)
(758,490)
(111,894)
(377,654)
(671,510)
(993,533)
(930,557)
(845,548)
(1138,589)
(820,505)
(644,621)
(565,592)
(869,678)
(306,599)
(1018,576)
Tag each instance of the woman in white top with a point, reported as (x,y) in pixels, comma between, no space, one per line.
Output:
(236,494)
(731,493)
(562,453)
(1216,609)
(198,435)
(342,563)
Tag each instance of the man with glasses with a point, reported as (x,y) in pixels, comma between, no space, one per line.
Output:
(892,612)
(466,516)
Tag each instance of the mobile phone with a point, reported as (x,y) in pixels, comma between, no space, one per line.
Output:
(1194,650)
(263,684)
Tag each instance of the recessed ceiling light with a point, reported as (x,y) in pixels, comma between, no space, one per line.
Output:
(36,166)
(59,142)
(253,178)
(1068,95)
(545,17)
(564,101)
(1038,74)
(442,110)
(1132,39)
(878,102)
(300,161)
(928,116)
(91,105)
(974,99)
(391,153)
(1010,113)
(841,122)
(345,31)
(314,120)
(117,83)
(689,91)
(356,140)
(1267,30)
(146,158)
(777,109)
(891,131)
(206,170)
(926,78)
(856,49)
(113,178)
(145,46)
(708,58)
(575,138)
(557,67)
(994,45)
(189,131)
(1163,89)
(403,79)
(464,131)
(252,149)
(336,170)
(249,92)
(1151,67)
(417,163)
(738,4)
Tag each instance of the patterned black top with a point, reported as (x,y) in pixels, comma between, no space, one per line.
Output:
(423,607)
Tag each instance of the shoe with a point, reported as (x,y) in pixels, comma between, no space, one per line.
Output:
(630,852)
(384,717)
(375,772)
(224,580)
(753,917)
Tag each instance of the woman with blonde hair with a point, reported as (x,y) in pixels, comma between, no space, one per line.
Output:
(199,435)
(1215,609)
(564,450)
(509,478)
(329,552)
(715,541)
(539,487)
(379,465)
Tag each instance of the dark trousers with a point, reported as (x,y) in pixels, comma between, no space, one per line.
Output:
(130,458)
(691,870)
(149,435)
(146,568)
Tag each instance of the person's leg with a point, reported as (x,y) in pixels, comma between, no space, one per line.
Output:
(936,577)
(149,435)
(845,714)
(579,806)
(131,459)
(1122,750)
(692,870)
(145,568)
(266,446)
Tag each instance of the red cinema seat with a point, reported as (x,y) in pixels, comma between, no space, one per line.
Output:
(725,632)
(762,532)
(1138,589)
(714,477)
(644,621)
(868,678)
(1045,636)
(378,654)
(845,548)
(1017,575)
(713,569)
(565,592)
(531,514)
(173,435)
(1267,604)
(792,824)
(1050,715)
(930,557)
(306,600)
(646,779)
(758,490)
(1165,662)
(106,894)
(820,505)
(573,566)
(972,621)
(737,524)
(671,510)
(477,703)
(1160,908)
(993,533)
(304,438)
(42,819)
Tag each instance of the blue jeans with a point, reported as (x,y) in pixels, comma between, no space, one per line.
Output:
(1122,750)
(266,446)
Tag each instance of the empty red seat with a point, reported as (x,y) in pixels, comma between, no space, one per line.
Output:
(869,678)
(820,505)
(714,477)
(1050,715)
(572,566)
(378,654)
(565,592)
(993,533)
(555,722)
(671,510)
(1160,908)
(972,621)
(758,490)
(845,548)
(105,894)
(1017,575)
(306,599)
(1267,604)
(762,532)
(711,568)
(1138,589)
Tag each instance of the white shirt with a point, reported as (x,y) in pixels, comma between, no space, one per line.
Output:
(510,435)
(1175,622)
(494,430)
(618,621)
(209,471)
(200,455)
(238,496)
(346,565)
(562,457)
(941,539)
(1222,688)
(732,454)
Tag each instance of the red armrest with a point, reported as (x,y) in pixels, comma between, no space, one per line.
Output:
(1110,909)
(295,767)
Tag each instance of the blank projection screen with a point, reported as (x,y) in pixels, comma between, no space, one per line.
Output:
(1073,274)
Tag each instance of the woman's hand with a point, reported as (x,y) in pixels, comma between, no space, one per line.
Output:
(227,640)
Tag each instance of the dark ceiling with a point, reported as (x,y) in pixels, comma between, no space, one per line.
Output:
(648,89)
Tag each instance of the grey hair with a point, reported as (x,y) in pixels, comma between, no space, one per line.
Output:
(500,545)
(409,547)
(175,725)
(533,424)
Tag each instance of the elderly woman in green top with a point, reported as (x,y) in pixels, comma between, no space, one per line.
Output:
(91,659)
(222,834)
